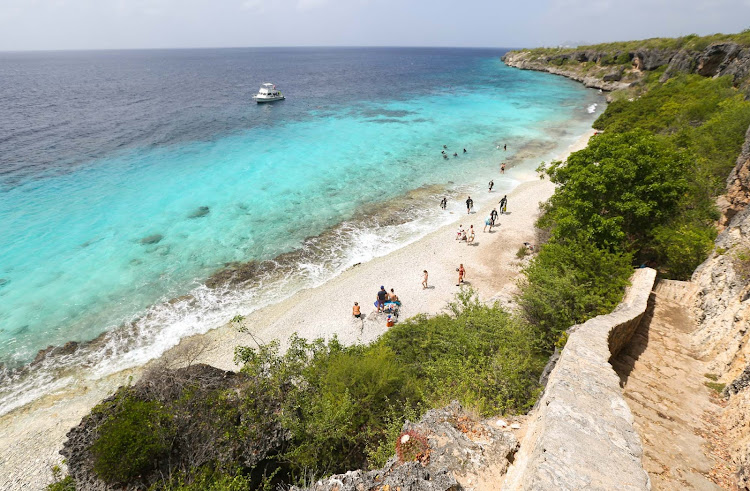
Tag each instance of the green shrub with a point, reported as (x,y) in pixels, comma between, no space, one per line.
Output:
(132,438)
(682,247)
(570,282)
(60,483)
(615,190)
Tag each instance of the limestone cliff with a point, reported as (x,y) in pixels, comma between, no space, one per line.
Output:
(723,310)
(618,69)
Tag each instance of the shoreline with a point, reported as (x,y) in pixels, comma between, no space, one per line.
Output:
(32,435)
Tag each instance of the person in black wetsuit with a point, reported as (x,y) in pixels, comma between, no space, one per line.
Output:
(503,204)
(444,203)
(464,150)
(493,216)
(469,205)
(491,185)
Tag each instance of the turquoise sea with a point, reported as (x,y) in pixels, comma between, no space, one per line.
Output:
(145,197)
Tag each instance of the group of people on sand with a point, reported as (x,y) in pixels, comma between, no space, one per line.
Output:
(386,302)
(462,234)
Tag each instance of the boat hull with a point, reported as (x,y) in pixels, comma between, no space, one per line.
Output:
(268,99)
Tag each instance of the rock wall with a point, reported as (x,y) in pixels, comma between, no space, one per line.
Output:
(718,59)
(581,435)
(723,311)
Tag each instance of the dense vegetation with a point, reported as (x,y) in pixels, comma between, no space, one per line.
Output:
(642,192)
(332,407)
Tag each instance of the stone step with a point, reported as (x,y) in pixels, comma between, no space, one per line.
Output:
(682,292)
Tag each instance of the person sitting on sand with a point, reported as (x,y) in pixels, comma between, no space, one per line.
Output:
(463,234)
(392,297)
(424,280)
(459,232)
(461,274)
(356,312)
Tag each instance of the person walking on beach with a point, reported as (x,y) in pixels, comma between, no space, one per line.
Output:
(471,235)
(461,274)
(493,216)
(491,185)
(382,297)
(502,168)
(469,205)
(488,222)
(424,280)
(503,204)
(444,203)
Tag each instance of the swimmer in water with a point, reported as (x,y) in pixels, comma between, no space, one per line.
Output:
(464,150)
(455,154)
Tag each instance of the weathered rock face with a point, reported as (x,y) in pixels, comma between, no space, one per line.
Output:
(581,434)
(593,80)
(463,454)
(718,59)
(737,197)
(723,305)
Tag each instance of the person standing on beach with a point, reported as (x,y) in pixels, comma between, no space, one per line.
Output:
(424,280)
(502,168)
(469,205)
(382,297)
(444,203)
(461,274)
(503,204)
(491,185)
(488,222)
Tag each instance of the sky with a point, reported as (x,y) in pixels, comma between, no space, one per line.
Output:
(119,24)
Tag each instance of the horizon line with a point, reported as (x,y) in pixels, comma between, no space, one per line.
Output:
(250,47)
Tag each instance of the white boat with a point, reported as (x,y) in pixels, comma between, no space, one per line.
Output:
(268,93)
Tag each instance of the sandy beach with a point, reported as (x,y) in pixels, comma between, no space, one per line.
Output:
(31,437)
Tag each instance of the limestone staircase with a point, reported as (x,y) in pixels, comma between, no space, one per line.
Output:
(676,414)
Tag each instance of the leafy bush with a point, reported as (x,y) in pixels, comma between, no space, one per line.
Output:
(131,441)
(344,406)
(682,247)
(615,190)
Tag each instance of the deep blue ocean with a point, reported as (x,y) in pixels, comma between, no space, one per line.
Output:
(144,196)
